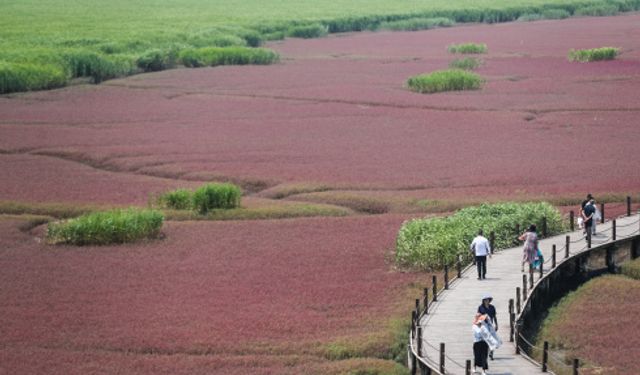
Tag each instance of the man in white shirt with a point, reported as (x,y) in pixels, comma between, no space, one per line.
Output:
(481,248)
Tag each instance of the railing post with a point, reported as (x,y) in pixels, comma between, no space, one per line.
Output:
(571,221)
(434,281)
(588,238)
(426,300)
(530,277)
(576,365)
(512,322)
(545,356)
(628,205)
(517,230)
(524,288)
(566,247)
(414,363)
(459,268)
(511,317)
(518,300)
(553,256)
(442,358)
(467,370)
(602,213)
(413,324)
(613,229)
(419,342)
(541,269)
(544,226)
(418,307)
(446,277)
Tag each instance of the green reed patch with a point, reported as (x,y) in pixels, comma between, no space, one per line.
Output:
(555,14)
(432,243)
(107,227)
(214,196)
(595,54)
(314,30)
(598,10)
(214,56)
(467,48)
(179,199)
(530,17)
(27,76)
(631,269)
(445,80)
(155,60)
(414,24)
(467,63)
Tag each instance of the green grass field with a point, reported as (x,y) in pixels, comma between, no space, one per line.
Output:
(45,44)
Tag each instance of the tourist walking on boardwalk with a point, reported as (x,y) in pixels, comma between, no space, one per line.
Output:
(481,249)
(530,249)
(581,217)
(485,339)
(486,308)
(588,214)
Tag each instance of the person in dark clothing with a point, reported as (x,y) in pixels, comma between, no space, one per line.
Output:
(486,308)
(587,213)
(582,206)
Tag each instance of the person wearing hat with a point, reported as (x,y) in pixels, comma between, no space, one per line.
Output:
(480,346)
(486,308)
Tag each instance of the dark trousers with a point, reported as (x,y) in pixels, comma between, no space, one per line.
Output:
(480,353)
(481,263)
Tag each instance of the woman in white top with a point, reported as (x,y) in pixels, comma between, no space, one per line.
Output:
(480,347)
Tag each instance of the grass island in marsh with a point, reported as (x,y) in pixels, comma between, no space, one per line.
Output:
(597,324)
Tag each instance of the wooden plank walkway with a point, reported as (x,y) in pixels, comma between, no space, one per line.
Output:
(449,319)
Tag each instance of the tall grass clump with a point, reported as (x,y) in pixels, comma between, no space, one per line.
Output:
(27,76)
(631,269)
(445,80)
(467,63)
(467,48)
(555,14)
(530,17)
(155,60)
(595,54)
(597,10)
(414,24)
(179,199)
(214,56)
(433,243)
(314,30)
(107,227)
(212,196)
(100,67)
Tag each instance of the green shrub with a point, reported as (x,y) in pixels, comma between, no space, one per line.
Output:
(632,269)
(212,196)
(84,63)
(214,56)
(530,17)
(555,14)
(179,199)
(598,10)
(467,63)
(467,48)
(445,80)
(414,24)
(107,227)
(314,30)
(595,54)
(435,242)
(16,77)
(156,60)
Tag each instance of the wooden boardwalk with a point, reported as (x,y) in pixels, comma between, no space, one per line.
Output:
(449,319)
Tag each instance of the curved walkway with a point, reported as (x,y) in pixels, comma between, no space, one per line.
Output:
(449,319)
